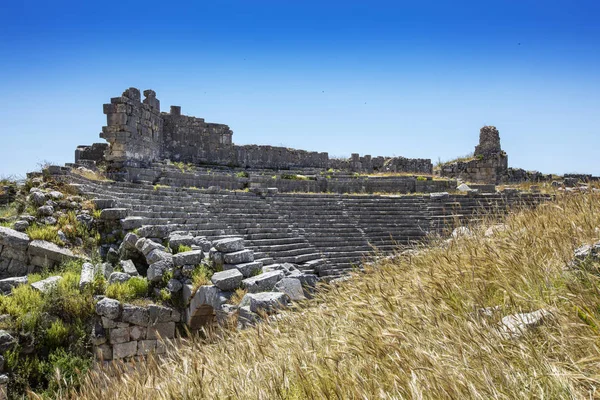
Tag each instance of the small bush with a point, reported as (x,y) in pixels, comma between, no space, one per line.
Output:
(183,248)
(421,178)
(134,288)
(44,232)
(65,371)
(201,276)
(57,334)
(242,174)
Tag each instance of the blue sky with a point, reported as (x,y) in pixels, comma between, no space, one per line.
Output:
(413,79)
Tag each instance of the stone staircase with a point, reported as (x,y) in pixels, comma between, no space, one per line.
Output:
(323,233)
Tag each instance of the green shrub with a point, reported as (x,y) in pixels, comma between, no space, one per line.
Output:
(44,232)
(134,288)
(183,248)
(201,276)
(421,178)
(56,334)
(242,174)
(65,371)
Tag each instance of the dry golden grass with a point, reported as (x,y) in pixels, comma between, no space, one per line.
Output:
(408,329)
(97,176)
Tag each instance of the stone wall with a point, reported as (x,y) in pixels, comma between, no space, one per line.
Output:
(133,129)
(95,152)
(139,134)
(19,255)
(489,163)
(127,330)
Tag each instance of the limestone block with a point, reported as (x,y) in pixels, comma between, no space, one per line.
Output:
(157,313)
(263,282)
(113,214)
(87,275)
(123,350)
(292,287)
(103,352)
(137,332)
(247,269)
(264,302)
(11,238)
(108,323)
(129,268)
(6,285)
(108,308)
(118,335)
(161,330)
(135,315)
(239,257)
(47,284)
(227,280)
(229,245)
(146,347)
(158,269)
(193,257)
(118,277)
(49,252)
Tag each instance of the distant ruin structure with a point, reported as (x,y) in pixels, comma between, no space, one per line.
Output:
(138,134)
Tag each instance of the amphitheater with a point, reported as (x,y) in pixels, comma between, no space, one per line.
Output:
(178,173)
(214,232)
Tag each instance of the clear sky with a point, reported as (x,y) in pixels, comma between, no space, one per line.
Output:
(405,78)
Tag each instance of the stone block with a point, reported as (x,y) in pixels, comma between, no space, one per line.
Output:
(137,332)
(103,352)
(118,277)
(108,323)
(118,335)
(146,347)
(247,269)
(129,268)
(6,285)
(135,315)
(227,280)
(157,313)
(130,223)
(292,287)
(161,330)
(229,245)
(239,257)
(113,214)
(264,302)
(47,284)
(87,275)
(193,257)
(263,282)
(124,350)
(158,269)
(108,308)
(43,250)
(157,255)
(11,238)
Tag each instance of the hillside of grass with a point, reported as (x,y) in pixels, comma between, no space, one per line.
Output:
(410,328)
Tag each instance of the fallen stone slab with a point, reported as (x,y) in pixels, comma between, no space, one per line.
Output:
(238,257)
(263,282)
(247,269)
(292,287)
(118,277)
(516,325)
(87,275)
(267,302)
(158,269)
(129,267)
(157,255)
(6,285)
(130,223)
(176,240)
(439,195)
(12,238)
(46,284)
(43,253)
(146,246)
(227,280)
(229,245)
(193,257)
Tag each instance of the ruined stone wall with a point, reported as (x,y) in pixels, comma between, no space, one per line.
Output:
(191,139)
(368,163)
(139,134)
(133,129)
(95,152)
(254,156)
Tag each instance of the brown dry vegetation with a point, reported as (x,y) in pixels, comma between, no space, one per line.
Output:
(409,328)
